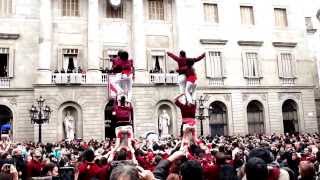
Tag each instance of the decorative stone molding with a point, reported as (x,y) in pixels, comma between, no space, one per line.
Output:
(214,41)
(9,36)
(245,97)
(250,43)
(284,96)
(13,101)
(311,31)
(261,96)
(284,44)
(227,97)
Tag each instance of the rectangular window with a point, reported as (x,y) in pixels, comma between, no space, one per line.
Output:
(247,16)
(113,12)
(156,9)
(6,62)
(280,15)
(251,67)
(211,13)
(286,65)
(5,7)
(308,22)
(70,8)
(157,62)
(70,60)
(214,67)
(108,56)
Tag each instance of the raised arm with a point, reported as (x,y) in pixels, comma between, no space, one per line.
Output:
(200,57)
(177,101)
(174,57)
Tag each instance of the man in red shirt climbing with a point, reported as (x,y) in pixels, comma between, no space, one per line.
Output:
(183,67)
(123,69)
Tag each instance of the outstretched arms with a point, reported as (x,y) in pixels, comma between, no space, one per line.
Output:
(200,57)
(174,57)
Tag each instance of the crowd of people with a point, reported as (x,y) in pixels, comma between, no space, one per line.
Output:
(259,157)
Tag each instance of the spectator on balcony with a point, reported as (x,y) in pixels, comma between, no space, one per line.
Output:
(123,69)
(71,66)
(182,66)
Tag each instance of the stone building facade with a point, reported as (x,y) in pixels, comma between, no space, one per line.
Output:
(258,75)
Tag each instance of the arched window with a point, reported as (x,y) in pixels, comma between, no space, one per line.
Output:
(290,116)
(255,117)
(5,120)
(218,120)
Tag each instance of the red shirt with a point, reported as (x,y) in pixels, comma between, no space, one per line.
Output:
(116,65)
(124,114)
(88,170)
(122,66)
(187,111)
(182,61)
(34,168)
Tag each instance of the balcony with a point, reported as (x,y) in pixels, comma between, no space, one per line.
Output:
(216,82)
(253,81)
(164,78)
(105,78)
(4,82)
(288,81)
(68,78)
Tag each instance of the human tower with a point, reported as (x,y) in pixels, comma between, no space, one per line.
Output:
(121,84)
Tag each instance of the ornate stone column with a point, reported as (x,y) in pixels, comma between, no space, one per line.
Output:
(93,74)
(45,43)
(139,47)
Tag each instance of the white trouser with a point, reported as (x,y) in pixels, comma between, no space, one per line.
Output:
(182,83)
(122,82)
(190,91)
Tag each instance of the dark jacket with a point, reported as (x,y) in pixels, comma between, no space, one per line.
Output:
(162,170)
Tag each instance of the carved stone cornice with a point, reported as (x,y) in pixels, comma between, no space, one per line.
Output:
(250,43)
(287,95)
(9,36)
(213,41)
(246,96)
(284,44)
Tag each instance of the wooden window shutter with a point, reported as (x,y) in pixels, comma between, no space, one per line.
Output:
(209,65)
(245,65)
(280,66)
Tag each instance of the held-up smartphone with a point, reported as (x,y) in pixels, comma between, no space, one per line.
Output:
(67,173)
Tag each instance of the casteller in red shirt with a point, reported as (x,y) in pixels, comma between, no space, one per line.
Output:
(182,60)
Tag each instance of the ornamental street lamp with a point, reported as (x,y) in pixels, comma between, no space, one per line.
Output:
(201,111)
(40,114)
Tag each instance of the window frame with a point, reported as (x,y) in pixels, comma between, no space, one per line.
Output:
(12,13)
(60,57)
(157,52)
(124,9)
(286,14)
(11,59)
(253,15)
(281,74)
(106,53)
(215,4)
(165,11)
(245,62)
(222,63)
(61,9)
